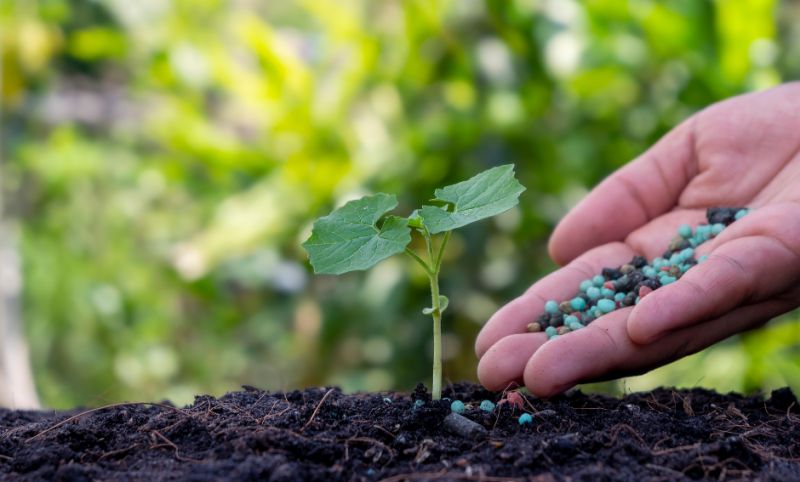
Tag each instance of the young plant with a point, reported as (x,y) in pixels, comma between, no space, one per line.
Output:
(359,234)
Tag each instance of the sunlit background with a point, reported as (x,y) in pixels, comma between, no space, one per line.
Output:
(163,160)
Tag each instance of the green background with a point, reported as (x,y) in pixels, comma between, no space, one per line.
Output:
(163,160)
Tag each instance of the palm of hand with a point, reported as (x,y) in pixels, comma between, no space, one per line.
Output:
(741,152)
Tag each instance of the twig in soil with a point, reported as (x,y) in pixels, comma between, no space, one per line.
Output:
(682,448)
(314,414)
(270,415)
(687,405)
(5,457)
(114,405)
(117,452)
(759,450)
(169,443)
(385,431)
(372,441)
(701,463)
(733,461)
(733,411)
(249,411)
(496,419)
(8,433)
(448,475)
(624,426)
(668,470)
(292,433)
(660,406)
(658,443)
(721,467)
(208,412)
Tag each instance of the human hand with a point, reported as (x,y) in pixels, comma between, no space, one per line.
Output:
(744,151)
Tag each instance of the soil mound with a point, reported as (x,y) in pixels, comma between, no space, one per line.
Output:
(323,434)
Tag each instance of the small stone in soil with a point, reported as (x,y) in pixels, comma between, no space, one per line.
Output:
(461,425)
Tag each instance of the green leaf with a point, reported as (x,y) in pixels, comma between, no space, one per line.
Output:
(444,301)
(489,193)
(414,220)
(349,239)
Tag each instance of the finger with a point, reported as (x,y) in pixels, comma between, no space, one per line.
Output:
(759,265)
(632,196)
(603,350)
(733,143)
(652,239)
(502,364)
(773,220)
(559,285)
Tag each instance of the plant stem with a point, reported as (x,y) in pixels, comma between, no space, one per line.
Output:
(432,269)
(429,244)
(436,314)
(439,257)
(419,260)
(436,385)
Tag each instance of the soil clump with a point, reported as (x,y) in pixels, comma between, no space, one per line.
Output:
(323,434)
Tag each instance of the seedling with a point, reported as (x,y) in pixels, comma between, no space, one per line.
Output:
(359,234)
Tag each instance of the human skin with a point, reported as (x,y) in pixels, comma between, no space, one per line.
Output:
(744,151)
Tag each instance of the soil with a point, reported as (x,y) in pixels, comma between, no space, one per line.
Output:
(322,434)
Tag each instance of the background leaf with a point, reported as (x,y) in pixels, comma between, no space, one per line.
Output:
(485,195)
(348,239)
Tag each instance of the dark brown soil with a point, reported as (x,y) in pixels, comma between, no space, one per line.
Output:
(321,434)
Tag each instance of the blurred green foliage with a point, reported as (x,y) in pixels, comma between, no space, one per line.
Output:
(163,160)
